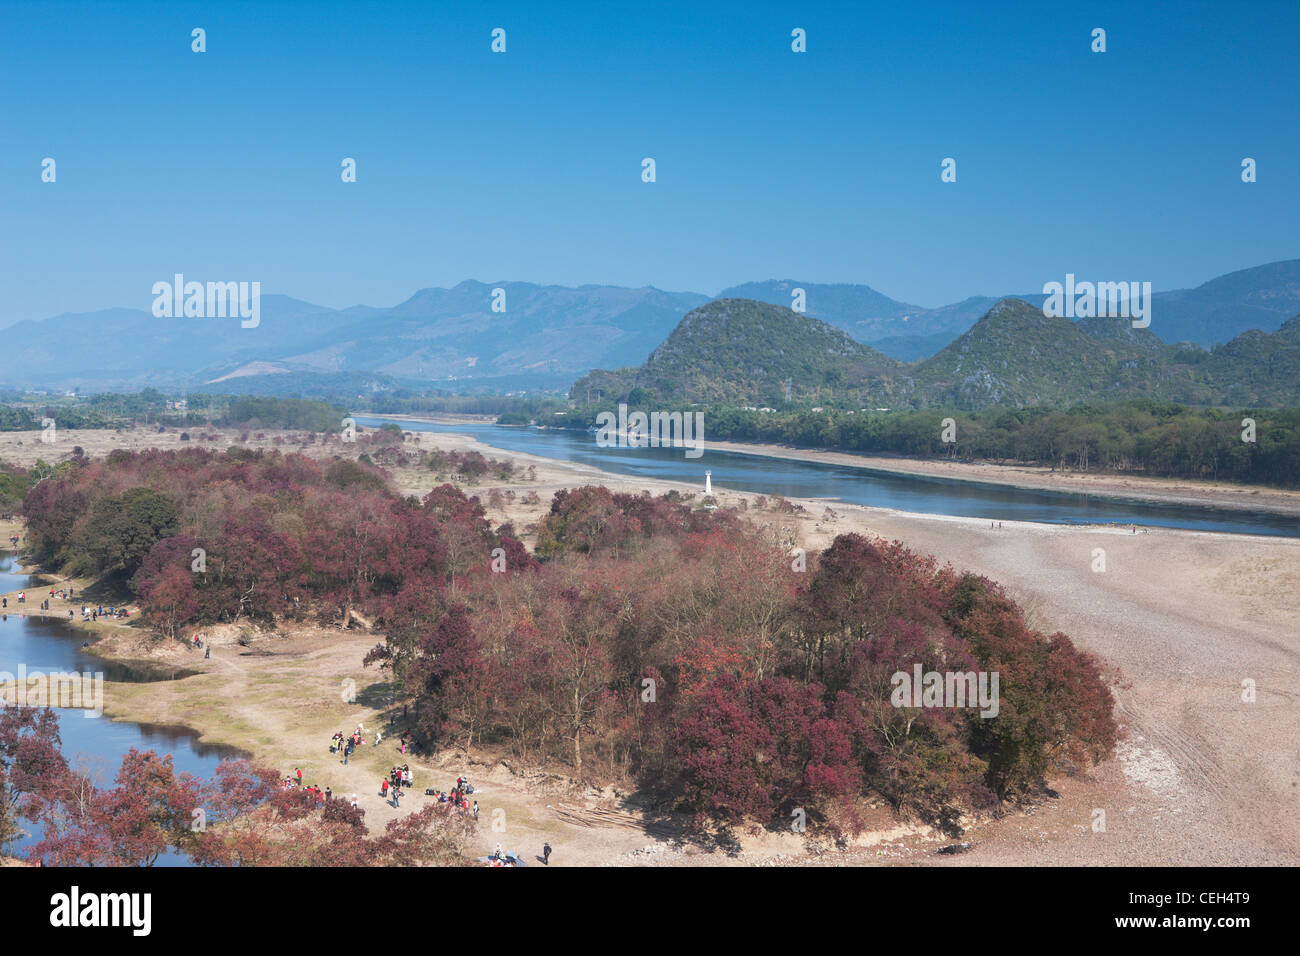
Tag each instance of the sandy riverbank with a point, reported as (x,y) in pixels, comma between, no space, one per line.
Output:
(1212,494)
(1177,491)
(1184,618)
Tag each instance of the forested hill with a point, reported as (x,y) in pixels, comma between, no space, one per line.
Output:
(1015,355)
(741,352)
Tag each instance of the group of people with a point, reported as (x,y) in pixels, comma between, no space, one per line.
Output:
(398,777)
(348,745)
(393,787)
(294,781)
(320,795)
(89,613)
(62,594)
(458,797)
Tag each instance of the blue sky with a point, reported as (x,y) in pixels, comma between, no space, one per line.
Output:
(822,166)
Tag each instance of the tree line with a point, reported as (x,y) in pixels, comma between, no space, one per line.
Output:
(645,641)
(1146,437)
(683,650)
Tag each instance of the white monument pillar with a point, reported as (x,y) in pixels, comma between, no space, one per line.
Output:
(708,483)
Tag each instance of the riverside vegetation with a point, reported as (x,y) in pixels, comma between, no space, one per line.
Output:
(769,680)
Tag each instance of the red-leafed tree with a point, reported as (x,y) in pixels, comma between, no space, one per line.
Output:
(447,672)
(32,767)
(150,810)
(1055,707)
(747,750)
(166,584)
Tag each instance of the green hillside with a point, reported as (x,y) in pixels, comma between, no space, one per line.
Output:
(1259,368)
(737,351)
(740,352)
(1018,356)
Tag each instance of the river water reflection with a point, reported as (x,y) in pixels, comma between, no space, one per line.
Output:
(93,744)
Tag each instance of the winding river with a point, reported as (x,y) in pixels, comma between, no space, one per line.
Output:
(861,486)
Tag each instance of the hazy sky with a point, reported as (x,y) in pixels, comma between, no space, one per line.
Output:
(821,166)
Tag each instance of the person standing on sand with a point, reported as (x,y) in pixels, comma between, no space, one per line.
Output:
(546,854)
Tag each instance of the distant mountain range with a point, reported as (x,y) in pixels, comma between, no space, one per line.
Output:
(1261,298)
(545,337)
(745,352)
(870,317)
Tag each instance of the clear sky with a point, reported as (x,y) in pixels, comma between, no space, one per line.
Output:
(821,166)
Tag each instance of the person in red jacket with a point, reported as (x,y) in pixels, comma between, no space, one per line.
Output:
(299,772)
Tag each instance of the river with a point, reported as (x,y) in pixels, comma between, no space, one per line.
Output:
(861,486)
(93,744)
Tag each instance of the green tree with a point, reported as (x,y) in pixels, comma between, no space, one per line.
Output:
(121,530)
